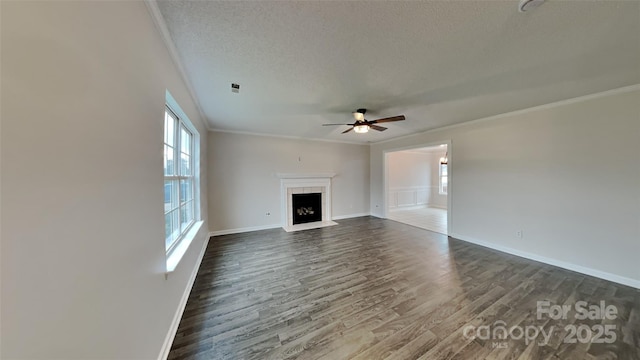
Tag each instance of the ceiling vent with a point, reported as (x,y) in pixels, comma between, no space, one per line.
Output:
(528,5)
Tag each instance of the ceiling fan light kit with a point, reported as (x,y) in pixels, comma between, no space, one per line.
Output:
(361,129)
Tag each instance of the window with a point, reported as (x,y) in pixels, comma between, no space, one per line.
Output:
(179,178)
(182,215)
(444,178)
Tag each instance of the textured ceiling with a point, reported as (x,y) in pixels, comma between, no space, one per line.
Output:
(304,63)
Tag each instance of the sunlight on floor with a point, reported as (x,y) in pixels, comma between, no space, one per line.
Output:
(433,219)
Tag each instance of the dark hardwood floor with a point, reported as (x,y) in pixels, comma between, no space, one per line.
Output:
(370,288)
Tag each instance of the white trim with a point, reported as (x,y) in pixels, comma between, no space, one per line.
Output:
(559,263)
(181,247)
(408,148)
(440,192)
(309,226)
(275,226)
(349,216)
(437,206)
(324,183)
(427,151)
(606,93)
(413,188)
(181,123)
(161,25)
(407,207)
(173,329)
(289,137)
(304,175)
(244,229)
(420,196)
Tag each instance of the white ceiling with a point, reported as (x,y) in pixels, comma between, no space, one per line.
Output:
(304,63)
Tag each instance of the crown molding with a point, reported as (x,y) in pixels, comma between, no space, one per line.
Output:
(161,25)
(289,137)
(622,90)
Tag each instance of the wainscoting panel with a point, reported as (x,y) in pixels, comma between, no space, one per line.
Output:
(406,198)
(422,196)
(409,196)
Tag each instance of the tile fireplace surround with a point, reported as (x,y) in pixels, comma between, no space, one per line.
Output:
(304,183)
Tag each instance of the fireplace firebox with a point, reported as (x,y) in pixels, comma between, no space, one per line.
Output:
(306,208)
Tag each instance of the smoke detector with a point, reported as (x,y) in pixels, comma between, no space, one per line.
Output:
(528,5)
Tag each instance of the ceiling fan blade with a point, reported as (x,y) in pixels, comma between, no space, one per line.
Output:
(346,131)
(389,119)
(335,124)
(376,127)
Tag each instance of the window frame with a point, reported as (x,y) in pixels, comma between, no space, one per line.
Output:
(176,252)
(177,177)
(441,189)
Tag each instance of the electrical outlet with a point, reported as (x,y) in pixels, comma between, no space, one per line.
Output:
(519,234)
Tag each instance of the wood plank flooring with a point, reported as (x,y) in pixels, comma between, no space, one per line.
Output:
(370,288)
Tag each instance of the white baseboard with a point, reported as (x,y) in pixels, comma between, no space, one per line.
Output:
(244,229)
(273,226)
(173,329)
(408,207)
(443,207)
(562,264)
(349,216)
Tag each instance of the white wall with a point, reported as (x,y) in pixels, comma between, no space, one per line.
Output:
(566,175)
(409,179)
(409,168)
(243,187)
(83,91)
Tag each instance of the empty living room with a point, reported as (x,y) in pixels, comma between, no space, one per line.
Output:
(204,180)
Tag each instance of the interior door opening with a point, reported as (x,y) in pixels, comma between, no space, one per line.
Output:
(417,187)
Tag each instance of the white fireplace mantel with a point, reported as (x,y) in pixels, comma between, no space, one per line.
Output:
(302,183)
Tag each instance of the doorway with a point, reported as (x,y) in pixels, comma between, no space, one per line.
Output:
(417,187)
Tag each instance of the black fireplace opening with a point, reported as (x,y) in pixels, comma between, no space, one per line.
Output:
(307,208)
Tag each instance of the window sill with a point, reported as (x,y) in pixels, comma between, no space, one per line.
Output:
(176,255)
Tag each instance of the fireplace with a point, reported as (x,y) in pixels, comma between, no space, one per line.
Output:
(310,185)
(306,208)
